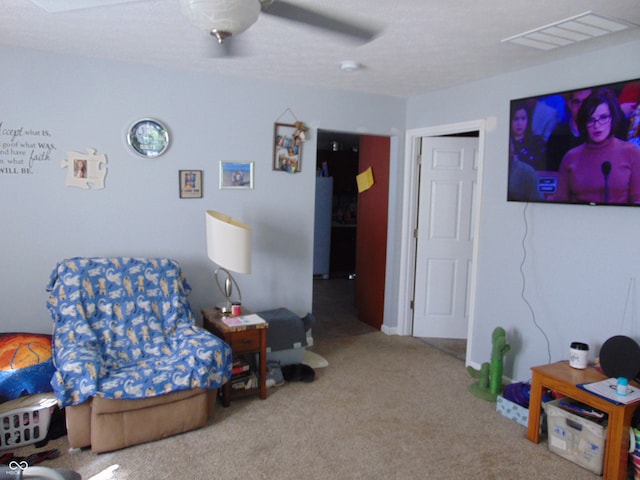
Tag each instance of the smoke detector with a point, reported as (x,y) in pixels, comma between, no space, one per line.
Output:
(350,65)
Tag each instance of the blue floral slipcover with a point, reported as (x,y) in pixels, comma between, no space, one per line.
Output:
(123,328)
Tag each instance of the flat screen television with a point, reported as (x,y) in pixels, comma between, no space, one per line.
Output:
(578,146)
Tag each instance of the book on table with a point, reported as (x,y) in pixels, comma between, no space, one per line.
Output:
(243,320)
(607,389)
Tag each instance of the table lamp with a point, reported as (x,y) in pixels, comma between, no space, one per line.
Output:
(229,246)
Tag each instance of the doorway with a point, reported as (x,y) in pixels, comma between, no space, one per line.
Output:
(336,189)
(358,220)
(334,252)
(411,206)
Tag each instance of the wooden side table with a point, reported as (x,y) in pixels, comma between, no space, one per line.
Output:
(242,339)
(564,379)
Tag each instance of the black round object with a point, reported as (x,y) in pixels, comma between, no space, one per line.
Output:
(620,357)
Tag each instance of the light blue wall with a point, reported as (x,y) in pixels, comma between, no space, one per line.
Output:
(581,261)
(90,104)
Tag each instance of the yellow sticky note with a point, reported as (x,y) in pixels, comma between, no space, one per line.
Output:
(365,180)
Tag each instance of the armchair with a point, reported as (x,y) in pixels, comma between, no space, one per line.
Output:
(131,366)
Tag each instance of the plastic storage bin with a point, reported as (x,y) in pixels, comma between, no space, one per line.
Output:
(576,438)
(27,424)
(513,411)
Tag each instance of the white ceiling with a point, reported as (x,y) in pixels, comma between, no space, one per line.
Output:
(425,45)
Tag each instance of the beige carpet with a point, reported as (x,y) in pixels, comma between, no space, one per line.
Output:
(384,408)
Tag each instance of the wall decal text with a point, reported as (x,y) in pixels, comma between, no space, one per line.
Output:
(22,148)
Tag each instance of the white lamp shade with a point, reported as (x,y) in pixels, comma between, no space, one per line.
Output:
(228,242)
(232,16)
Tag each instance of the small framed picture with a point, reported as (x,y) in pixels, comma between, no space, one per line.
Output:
(237,175)
(190,183)
(287,151)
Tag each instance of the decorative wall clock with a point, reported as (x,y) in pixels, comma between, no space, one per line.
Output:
(148,137)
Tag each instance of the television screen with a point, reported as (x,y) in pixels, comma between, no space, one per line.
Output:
(580,146)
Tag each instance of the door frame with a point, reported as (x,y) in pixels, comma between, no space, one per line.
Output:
(409,210)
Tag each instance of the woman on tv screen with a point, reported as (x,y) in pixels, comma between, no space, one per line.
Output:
(603,169)
(525,145)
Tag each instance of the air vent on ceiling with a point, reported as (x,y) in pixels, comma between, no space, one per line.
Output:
(569,31)
(54,6)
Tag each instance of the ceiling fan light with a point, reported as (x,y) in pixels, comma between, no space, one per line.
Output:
(232,16)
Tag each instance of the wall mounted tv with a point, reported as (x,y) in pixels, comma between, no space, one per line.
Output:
(579,146)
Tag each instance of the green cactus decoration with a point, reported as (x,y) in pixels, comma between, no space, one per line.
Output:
(489,384)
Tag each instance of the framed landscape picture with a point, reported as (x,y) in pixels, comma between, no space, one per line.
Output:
(237,175)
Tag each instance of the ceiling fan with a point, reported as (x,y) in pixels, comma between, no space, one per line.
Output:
(225,18)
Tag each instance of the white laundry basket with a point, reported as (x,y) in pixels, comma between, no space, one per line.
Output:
(25,420)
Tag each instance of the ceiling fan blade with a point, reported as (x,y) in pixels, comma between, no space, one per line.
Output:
(285,9)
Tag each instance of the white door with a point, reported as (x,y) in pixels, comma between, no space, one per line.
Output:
(444,246)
